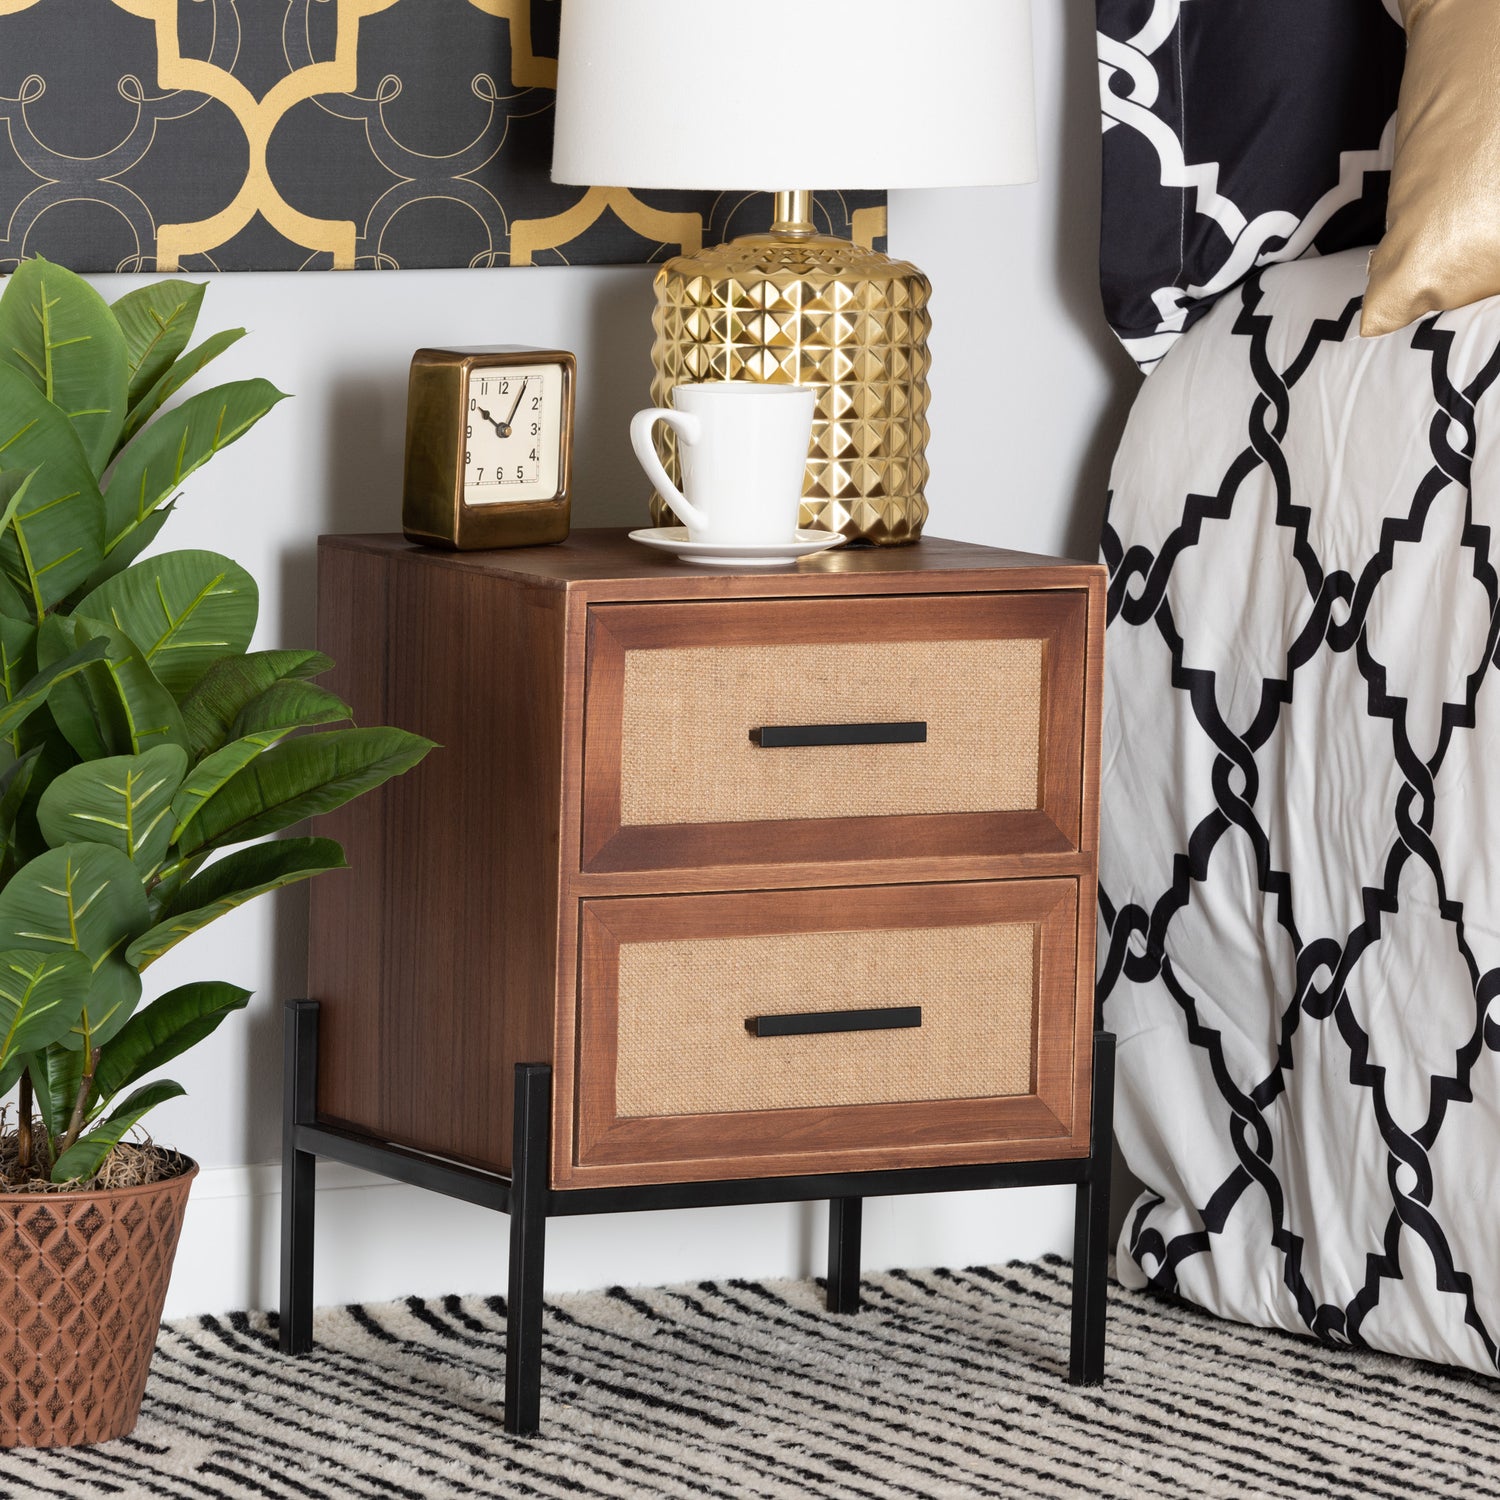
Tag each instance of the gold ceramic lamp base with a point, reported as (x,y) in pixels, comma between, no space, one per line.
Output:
(796,307)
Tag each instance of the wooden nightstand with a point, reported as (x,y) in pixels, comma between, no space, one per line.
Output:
(725,887)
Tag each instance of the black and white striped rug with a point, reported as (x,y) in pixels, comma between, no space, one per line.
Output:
(949,1383)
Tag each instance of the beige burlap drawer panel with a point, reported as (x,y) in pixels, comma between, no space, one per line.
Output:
(686,755)
(670,1072)
(971,710)
(684,1047)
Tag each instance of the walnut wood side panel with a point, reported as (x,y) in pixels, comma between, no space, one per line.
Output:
(1049,1120)
(1059,619)
(347,933)
(436,967)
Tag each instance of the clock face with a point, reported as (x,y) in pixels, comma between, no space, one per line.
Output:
(513,434)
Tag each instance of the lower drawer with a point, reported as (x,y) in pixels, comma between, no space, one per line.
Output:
(867,1028)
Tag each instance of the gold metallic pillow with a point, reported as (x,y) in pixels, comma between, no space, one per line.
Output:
(1442,241)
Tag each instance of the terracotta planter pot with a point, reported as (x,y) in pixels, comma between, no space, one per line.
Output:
(83,1278)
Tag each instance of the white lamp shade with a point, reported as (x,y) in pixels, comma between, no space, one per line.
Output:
(780,94)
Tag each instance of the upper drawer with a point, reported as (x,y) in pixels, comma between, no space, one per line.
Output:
(680,771)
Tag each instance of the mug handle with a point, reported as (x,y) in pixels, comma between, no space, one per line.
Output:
(688,429)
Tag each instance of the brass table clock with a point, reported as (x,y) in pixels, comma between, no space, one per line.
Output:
(489,447)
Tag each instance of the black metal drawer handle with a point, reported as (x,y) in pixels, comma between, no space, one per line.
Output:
(814,1022)
(783,736)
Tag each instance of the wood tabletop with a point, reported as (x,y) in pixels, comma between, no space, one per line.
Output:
(607,556)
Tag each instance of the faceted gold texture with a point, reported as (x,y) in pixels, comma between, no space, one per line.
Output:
(805,309)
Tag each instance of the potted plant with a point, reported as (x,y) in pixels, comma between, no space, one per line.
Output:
(146,754)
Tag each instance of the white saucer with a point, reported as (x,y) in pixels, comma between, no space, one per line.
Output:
(736,554)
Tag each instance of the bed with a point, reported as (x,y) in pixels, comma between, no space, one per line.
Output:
(1300,869)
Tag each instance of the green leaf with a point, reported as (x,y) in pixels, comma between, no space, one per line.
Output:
(113,997)
(165,1029)
(116,706)
(298,779)
(157,321)
(129,549)
(46,757)
(56,1077)
(13,604)
(84,898)
(82,1160)
(41,996)
(15,784)
(285,706)
(231,882)
(88,717)
(17,665)
(37,690)
(151,467)
(212,772)
(88,899)
(17,655)
(184,610)
(13,486)
(55,539)
(14,780)
(229,686)
(143,408)
(169,880)
(124,801)
(57,333)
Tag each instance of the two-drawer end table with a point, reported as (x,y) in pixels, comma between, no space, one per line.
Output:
(725,887)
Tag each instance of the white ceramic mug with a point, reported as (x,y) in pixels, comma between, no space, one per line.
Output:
(743,448)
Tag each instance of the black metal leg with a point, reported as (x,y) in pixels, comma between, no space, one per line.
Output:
(299,1174)
(530,1166)
(844,1216)
(1091,1226)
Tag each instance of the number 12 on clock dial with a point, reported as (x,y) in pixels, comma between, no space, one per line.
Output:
(513,434)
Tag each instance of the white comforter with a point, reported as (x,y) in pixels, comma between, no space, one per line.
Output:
(1300,874)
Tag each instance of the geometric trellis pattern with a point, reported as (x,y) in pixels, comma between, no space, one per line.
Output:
(1300,854)
(83,1279)
(1236,135)
(203,135)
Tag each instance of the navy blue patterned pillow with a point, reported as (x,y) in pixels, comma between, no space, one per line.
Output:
(1236,132)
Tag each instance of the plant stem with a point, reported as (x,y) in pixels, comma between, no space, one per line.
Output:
(85,1087)
(23,1130)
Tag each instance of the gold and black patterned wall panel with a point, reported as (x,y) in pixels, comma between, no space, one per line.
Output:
(200,135)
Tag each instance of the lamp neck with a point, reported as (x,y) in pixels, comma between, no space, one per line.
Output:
(794,215)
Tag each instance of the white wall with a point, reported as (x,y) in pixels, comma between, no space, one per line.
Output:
(1028,397)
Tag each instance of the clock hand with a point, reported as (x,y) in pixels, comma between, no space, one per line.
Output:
(500,428)
(514,409)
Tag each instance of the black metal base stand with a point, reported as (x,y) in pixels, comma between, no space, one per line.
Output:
(299,1174)
(1091,1224)
(527,1197)
(531,1161)
(844,1216)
